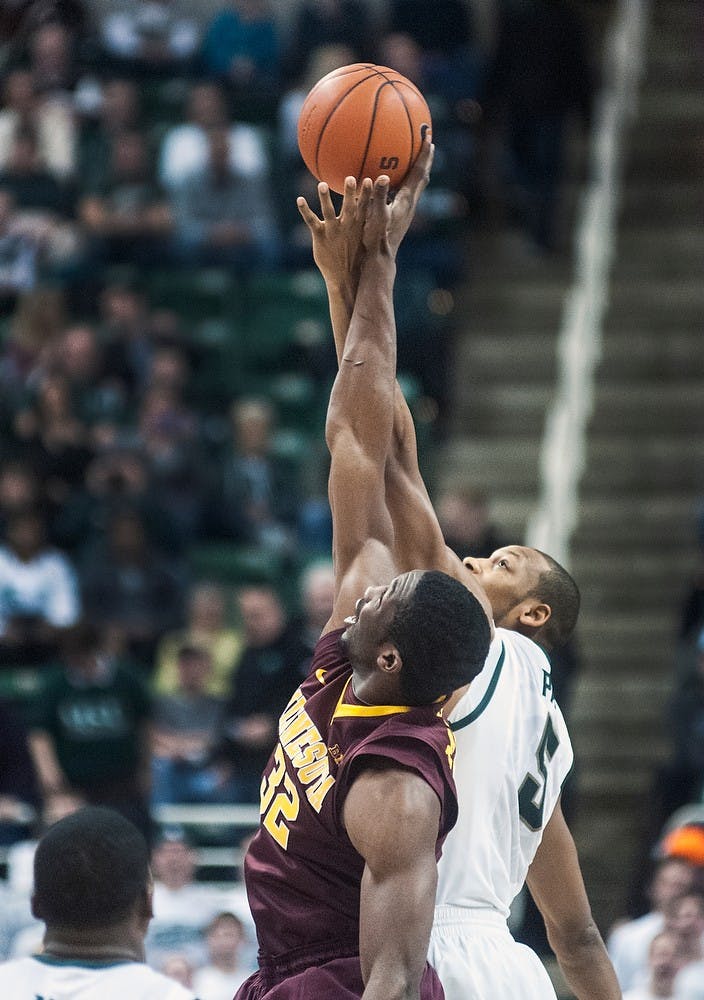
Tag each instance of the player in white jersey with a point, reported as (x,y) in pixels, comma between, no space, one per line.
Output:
(45,978)
(92,888)
(513,755)
(522,590)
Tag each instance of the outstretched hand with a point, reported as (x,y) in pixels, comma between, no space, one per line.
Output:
(406,199)
(337,239)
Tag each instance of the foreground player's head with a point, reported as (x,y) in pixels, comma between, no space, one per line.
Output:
(416,639)
(91,877)
(529,592)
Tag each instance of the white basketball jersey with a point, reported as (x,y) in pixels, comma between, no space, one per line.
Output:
(513,755)
(44,978)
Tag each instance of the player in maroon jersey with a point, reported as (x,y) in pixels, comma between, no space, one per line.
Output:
(358,794)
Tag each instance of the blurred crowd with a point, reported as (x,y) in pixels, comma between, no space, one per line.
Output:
(165,360)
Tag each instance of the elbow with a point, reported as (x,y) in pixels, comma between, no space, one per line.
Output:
(574,939)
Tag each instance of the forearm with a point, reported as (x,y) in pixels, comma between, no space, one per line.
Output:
(361,402)
(341,296)
(51,777)
(585,964)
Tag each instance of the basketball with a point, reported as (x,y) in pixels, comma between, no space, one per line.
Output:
(362,120)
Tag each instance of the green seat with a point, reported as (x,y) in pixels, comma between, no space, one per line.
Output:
(197,296)
(236,565)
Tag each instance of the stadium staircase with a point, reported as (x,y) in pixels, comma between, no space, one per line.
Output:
(634,551)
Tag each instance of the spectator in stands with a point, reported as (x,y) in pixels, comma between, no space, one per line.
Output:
(689,982)
(126,334)
(127,217)
(185,152)
(268,673)
(686,920)
(130,589)
(150,36)
(90,730)
(206,628)
(23,241)
(222,216)
(36,324)
(98,399)
(179,969)
(466,523)
(52,60)
(449,27)
(241,45)
(19,18)
(49,121)
(92,889)
(536,105)
(186,726)
(226,968)
(321,23)
(53,437)
(118,111)
(258,498)
(183,908)
(317,592)
(19,796)
(449,79)
(629,942)
(666,958)
(20,489)
(38,590)
(33,186)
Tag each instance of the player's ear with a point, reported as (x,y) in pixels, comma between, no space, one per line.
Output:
(534,615)
(388,659)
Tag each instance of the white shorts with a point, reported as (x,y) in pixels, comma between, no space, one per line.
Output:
(477,959)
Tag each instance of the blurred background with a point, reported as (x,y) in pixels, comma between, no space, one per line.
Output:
(165,362)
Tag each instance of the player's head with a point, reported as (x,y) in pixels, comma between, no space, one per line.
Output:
(422,636)
(529,592)
(91,872)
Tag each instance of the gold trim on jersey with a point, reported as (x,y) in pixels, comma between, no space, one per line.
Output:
(343,711)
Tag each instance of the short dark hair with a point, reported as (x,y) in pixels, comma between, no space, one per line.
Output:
(90,870)
(556,587)
(443,635)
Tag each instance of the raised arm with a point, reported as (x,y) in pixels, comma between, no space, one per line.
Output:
(392,817)
(359,425)
(556,884)
(338,250)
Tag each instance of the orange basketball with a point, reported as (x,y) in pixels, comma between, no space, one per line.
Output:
(362,120)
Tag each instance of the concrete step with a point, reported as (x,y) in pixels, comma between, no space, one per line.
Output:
(654,304)
(661,250)
(492,353)
(675,408)
(657,204)
(652,355)
(506,407)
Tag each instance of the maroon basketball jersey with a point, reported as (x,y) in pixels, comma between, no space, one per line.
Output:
(302,873)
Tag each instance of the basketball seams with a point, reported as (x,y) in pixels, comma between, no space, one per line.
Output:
(332,111)
(371,128)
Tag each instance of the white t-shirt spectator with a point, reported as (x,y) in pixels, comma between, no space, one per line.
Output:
(184,152)
(126,31)
(45,586)
(628,947)
(214,984)
(689,984)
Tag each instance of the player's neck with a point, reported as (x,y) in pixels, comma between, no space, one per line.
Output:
(120,944)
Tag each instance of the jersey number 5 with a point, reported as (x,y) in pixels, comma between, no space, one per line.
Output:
(531,794)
